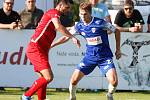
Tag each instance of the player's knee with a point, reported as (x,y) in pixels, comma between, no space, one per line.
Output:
(74,82)
(114,83)
(49,79)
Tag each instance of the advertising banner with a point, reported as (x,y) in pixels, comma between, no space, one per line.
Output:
(133,68)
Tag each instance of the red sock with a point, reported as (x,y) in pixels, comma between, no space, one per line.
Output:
(36,85)
(42,93)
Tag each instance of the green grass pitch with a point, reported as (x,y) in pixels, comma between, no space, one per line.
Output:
(52,94)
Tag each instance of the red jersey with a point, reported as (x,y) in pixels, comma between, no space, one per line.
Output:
(45,32)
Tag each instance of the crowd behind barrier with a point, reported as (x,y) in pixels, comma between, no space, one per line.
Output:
(28,18)
(46,4)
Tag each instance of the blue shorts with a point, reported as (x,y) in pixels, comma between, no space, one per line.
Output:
(88,65)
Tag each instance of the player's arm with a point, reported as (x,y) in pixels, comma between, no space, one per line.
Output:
(64,39)
(113,29)
(61,40)
(59,27)
(117,37)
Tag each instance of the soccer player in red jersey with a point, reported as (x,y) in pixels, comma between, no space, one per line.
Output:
(39,45)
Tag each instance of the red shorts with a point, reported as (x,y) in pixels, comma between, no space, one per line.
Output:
(38,57)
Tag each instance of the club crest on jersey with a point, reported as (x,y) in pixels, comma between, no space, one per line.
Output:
(93,30)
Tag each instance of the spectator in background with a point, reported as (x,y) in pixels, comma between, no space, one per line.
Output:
(129,19)
(100,10)
(148,23)
(9,19)
(31,15)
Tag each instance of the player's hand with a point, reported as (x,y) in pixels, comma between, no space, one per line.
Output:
(118,54)
(76,41)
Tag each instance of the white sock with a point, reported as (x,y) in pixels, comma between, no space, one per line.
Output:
(72,90)
(111,88)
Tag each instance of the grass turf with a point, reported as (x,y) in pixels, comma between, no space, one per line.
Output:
(52,94)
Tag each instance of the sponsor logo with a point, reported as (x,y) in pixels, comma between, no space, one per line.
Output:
(14,58)
(94,40)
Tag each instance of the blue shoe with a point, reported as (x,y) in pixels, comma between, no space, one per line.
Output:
(25,97)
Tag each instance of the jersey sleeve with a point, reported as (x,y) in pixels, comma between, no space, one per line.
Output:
(54,14)
(109,26)
(74,30)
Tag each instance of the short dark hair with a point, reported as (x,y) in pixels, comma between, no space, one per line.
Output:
(64,1)
(129,2)
(86,6)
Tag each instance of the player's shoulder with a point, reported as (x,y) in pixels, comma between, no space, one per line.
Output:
(52,12)
(98,20)
(79,24)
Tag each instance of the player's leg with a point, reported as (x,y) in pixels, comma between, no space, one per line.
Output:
(84,68)
(113,82)
(112,79)
(107,67)
(76,77)
(41,92)
(39,83)
(35,86)
(41,65)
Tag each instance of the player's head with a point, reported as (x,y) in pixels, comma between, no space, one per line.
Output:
(30,4)
(94,2)
(85,10)
(8,5)
(63,6)
(128,7)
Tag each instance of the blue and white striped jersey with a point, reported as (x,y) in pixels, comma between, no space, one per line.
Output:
(96,36)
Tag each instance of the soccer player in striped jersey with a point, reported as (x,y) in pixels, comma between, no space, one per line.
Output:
(39,45)
(98,52)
